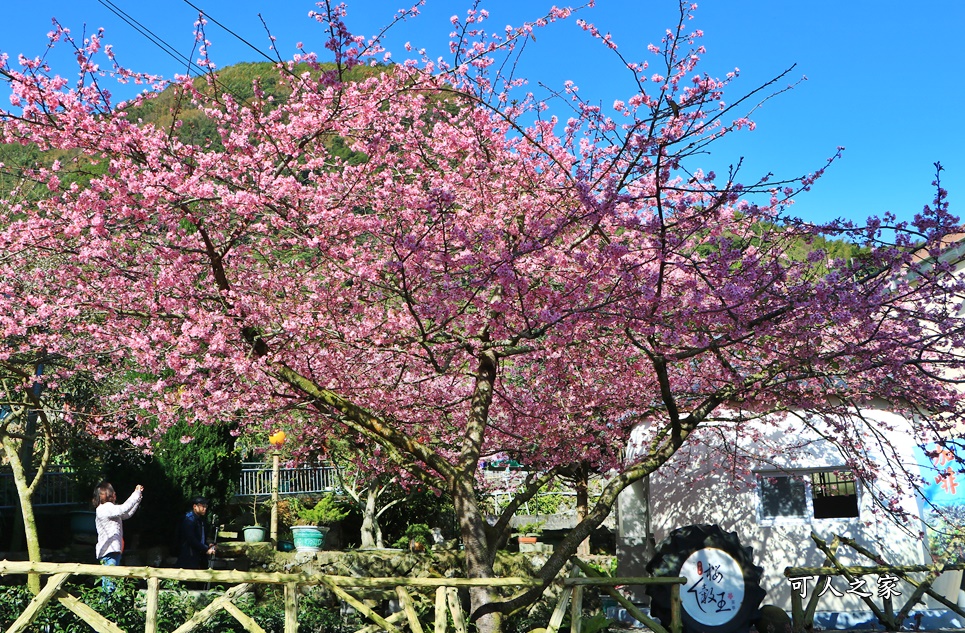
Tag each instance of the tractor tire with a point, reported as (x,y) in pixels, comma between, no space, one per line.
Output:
(723,589)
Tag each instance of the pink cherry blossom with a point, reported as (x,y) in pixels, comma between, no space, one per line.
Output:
(480,281)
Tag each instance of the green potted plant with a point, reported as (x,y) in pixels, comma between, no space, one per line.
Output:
(256,532)
(312,523)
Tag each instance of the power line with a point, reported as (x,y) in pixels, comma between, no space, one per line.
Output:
(150,35)
(171,50)
(174,53)
(230,32)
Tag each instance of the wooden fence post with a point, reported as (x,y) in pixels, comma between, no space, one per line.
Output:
(393,619)
(889,609)
(676,613)
(208,611)
(405,601)
(797,612)
(455,607)
(576,610)
(291,607)
(359,606)
(39,602)
(441,617)
(93,619)
(557,618)
(150,618)
(246,620)
(446,595)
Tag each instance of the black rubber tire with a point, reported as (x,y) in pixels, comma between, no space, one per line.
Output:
(669,558)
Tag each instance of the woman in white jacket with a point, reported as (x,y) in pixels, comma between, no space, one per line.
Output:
(109,519)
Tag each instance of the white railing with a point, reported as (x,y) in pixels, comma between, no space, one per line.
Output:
(503,485)
(317,479)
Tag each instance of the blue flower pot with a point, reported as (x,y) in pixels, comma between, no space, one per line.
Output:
(308,538)
(82,522)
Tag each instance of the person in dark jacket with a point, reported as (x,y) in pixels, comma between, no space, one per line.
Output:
(194,549)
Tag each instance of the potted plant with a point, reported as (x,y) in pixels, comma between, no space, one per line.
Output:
(417,538)
(254,533)
(312,523)
(527,535)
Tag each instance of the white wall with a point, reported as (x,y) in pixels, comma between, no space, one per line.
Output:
(705,484)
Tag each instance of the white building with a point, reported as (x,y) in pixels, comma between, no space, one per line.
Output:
(774,493)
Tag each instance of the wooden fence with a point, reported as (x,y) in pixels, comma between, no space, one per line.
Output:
(446,601)
(802,616)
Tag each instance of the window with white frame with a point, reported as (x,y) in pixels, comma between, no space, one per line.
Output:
(802,496)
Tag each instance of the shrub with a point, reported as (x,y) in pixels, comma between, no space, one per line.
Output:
(326,511)
(125,607)
(416,533)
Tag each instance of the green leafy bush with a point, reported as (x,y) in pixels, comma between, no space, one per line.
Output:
(126,607)
(415,533)
(208,465)
(326,511)
(535,528)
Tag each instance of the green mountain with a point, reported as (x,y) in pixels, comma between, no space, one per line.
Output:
(173,104)
(161,110)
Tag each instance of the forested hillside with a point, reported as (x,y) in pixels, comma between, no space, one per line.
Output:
(175,110)
(18,162)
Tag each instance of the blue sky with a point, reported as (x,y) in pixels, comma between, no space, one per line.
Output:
(884,77)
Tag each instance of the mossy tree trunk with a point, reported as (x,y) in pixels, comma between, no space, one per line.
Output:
(26,477)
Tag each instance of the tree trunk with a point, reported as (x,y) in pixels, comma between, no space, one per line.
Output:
(25,496)
(479,556)
(26,452)
(582,510)
(371,533)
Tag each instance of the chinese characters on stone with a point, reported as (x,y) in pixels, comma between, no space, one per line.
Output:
(887,586)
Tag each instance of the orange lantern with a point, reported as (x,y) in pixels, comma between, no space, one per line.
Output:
(277,438)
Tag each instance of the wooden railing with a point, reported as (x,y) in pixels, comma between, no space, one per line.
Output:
(446,600)
(802,616)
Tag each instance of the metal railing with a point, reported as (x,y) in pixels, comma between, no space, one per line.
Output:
(58,487)
(503,486)
(300,480)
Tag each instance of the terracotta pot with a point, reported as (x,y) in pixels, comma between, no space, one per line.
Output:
(528,543)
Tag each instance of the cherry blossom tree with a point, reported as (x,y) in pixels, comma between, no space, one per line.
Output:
(480,278)
(25,424)
(45,390)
